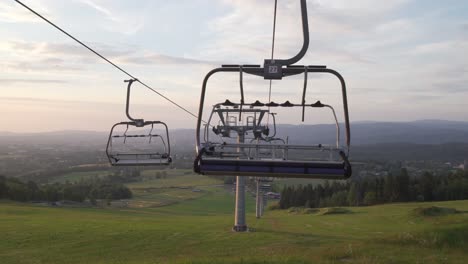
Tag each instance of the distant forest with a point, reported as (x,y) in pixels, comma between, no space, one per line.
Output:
(108,188)
(371,191)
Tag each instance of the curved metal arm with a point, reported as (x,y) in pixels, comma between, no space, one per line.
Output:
(305,33)
(162,140)
(274,124)
(168,146)
(337,125)
(109,140)
(138,122)
(150,134)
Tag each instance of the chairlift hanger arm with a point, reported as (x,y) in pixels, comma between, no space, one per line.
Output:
(273,67)
(305,33)
(138,122)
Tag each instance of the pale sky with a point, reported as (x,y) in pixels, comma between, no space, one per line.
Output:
(402,60)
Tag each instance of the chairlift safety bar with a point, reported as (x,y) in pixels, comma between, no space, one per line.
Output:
(290,71)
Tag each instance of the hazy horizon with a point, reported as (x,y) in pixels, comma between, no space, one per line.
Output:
(434,121)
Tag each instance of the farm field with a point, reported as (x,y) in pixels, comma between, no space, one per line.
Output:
(77,176)
(197,229)
(177,186)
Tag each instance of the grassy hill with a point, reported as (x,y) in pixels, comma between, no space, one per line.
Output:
(196,228)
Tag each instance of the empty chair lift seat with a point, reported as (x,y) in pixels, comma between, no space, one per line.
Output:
(122,159)
(293,169)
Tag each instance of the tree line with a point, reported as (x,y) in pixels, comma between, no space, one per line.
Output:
(379,190)
(102,188)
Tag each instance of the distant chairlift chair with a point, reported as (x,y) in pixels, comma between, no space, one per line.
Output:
(138,148)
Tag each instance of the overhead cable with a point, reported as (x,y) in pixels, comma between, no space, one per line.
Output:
(272,54)
(105,59)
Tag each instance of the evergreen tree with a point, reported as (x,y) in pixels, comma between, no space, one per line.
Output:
(353,195)
(427,186)
(3,187)
(284,199)
(370,198)
(389,187)
(339,198)
(402,183)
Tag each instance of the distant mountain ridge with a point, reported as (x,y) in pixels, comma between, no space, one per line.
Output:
(362,133)
(417,132)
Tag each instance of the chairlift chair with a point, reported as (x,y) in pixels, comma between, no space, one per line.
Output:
(316,161)
(136,143)
(269,156)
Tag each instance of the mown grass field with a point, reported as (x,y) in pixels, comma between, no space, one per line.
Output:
(198,230)
(177,186)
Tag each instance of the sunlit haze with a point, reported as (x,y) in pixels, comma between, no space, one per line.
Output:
(402,60)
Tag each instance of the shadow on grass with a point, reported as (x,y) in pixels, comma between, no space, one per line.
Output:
(432,211)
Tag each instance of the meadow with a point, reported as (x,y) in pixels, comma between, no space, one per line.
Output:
(78,176)
(195,227)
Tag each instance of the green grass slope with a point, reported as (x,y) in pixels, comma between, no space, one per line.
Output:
(199,231)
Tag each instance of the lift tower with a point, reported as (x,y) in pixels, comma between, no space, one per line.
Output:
(231,116)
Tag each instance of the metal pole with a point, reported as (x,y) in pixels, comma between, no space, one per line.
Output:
(258,209)
(239,220)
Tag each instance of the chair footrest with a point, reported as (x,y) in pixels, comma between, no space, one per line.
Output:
(139,159)
(296,169)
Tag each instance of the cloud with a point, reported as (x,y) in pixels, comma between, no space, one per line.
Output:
(56,102)
(154,58)
(124,21)
(50,56)
(98,8)
(452,87)
(11,12)
(40,66)
(66,49)
(30,99)
(244,33)
(56,51)
(434,47)
(361,6)
(120,20)
(31,81)
(39,57)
